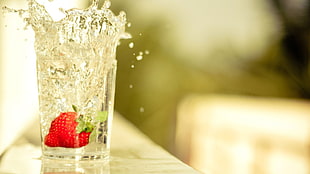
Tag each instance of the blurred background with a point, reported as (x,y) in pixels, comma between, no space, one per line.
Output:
(211,81)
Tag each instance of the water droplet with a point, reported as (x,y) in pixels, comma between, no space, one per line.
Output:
(141,109)
(107,4)
(140,53)
(131,45)
(104,26)
(130,86)
(128,24)
(147,52)
(140,34)
(122,16)
(132,66)
(134,54)
(126,36)
(83,65)
(140,57)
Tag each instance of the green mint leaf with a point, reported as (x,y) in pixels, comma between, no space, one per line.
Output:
(101,116)
(92,136)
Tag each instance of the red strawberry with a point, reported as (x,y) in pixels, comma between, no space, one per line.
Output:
(51,140)
(63,132)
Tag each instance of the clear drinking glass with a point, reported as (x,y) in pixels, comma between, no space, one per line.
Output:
(75,88)
(76,70)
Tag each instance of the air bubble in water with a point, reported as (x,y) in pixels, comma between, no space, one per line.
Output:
(132,66)
(147,52)
(130,86)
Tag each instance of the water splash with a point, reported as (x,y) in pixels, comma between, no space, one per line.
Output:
(90,28)
(80,29)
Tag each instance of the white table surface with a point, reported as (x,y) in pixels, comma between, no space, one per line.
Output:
(131,153)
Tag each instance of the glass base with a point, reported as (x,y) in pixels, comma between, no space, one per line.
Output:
(75,155)
(55,165)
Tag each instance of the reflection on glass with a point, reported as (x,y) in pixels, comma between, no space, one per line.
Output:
(64,167)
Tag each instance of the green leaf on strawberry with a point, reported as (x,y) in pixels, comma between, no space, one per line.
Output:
(84,124)
(75,108)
